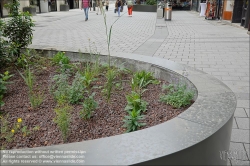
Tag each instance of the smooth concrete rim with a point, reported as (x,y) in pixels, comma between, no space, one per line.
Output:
(149,144)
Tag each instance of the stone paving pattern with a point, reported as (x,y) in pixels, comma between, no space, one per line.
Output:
(211,46)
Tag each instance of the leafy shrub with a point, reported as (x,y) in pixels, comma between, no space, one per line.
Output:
(4,58)
(69,93)
(151,2)
(141,79)
(60,86)
(177,96)
(132,121)
(77,88)
(18,29)
(89,105)
(62,119)
(135,102)
(3,82)
(63,61)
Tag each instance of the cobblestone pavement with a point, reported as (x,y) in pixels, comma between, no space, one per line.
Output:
(216,48)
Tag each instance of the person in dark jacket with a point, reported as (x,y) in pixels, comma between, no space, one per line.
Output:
(118,5)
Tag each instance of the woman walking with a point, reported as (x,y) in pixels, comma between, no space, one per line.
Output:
(130,7)
(118,5)
(85,7)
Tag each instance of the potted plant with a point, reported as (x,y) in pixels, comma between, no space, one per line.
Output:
(31,9)
(65,6)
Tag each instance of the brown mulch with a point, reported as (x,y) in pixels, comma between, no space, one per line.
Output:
(107,119)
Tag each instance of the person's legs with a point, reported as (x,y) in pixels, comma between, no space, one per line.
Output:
(86,13)
(119,9)
(131,10)
(163,9)
(97,10)
(107,8)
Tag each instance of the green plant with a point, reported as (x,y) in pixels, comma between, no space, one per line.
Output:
(36,128)
(89,75)
(132,121)
(62,119)
(89,105)
(108,33)
(151,2)
(141,79)
(29,79)
(177,96)
(3,82)
(25,131)
(7,132)
(110,76)
(35,98)
(60,87)
(77,88)
(4,45)
(62,60)
(18,29)
(135,102)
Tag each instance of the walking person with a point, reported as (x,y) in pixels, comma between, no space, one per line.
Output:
(98,5)
(118,5)
(107,5)
(163,7)
(130,7)
(85,7)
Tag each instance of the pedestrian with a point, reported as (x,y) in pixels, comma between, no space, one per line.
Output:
(118,5)
(85,7)
(90,5)
(163,7)
(107,5)
(98,5)
(130,7)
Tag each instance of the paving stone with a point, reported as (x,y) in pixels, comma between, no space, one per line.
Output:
(247,147)
(235,126)
(243,123)
(239,135)
(243,103)
(240,112)
(240,163)
(247,111)
(237,152)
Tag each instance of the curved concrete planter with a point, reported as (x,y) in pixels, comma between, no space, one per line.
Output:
(198,136)
(144,8)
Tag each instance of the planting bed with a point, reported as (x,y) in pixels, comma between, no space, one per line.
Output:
(106,120)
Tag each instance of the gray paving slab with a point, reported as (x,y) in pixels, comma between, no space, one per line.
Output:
(220,50)
(240,162)
(247,147)
(240,112)
(239,135)
(243,123)
(237,152)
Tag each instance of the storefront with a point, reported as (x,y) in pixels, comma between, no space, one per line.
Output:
(195,5)
(73,4)
(237,11)
(181,5)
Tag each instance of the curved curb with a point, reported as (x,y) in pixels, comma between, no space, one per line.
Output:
(197,136)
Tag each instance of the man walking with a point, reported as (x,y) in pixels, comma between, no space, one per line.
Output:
(85,7)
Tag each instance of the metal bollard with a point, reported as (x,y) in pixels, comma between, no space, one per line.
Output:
(168,11)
